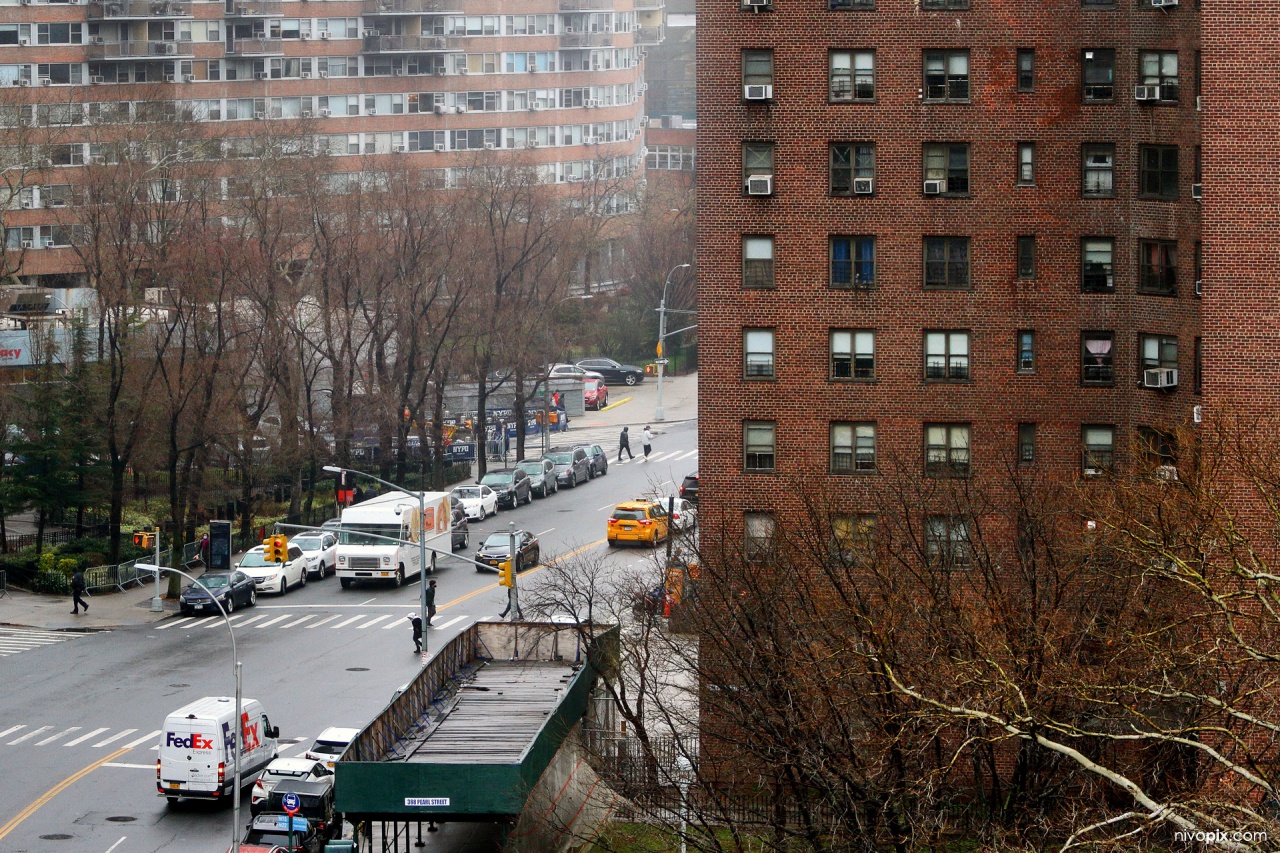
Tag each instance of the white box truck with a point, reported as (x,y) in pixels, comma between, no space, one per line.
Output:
(378,538)
(196,747)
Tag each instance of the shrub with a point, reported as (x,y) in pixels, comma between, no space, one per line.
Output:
(51,581)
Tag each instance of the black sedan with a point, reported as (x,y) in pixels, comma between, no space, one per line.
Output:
(612,371)
(232,590)
(497,548)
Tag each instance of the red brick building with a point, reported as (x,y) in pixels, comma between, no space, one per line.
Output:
(967,232)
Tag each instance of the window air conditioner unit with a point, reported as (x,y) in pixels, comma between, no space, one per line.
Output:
(259,116)
(863,186)
(306,113)
(304,75)
(97,160)
(48,242)
(397,72)
(591,140)
(1163,4)
(323,75)
(57,202)
(439,146)
(935,187)
(489,146)
(536,107)
(97,40)
(757,93)
(169,78)
(1199,287)
(28,205)
(757,5)
(188,78)
(570,30)
(24,42)
(1196,191)
(368,32)
(97,81)
(1146,93)
(46,81)
(324,35)
(28,244)
(591,105)
(760,185)
(460,108)
(325,113)
(1167,473)
(304,36)
(398,149)
(440,109)
(1160,377)
(373,112)
(24,82)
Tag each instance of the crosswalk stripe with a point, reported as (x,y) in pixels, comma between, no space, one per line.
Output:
(84,738)
(452,621)
(250,620)
(11,730)
(271,622)
(114,738)
(347,621)
(288,746)
(323,621)
(396,624)
(183,622)
(144,739)
(52,738)
(32,632)
(298,621)
(29,735)
(372,622)
(31,641)
(687,455)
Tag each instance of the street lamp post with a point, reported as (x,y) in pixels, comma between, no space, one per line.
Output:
(422,543)
(658,413)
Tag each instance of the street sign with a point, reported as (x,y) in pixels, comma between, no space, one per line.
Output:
(292,803)
(659,350)
(660,361)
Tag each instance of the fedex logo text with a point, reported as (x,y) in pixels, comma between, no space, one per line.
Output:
(193,741)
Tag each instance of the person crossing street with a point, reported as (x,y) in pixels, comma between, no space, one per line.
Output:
(647,438)
(624,443)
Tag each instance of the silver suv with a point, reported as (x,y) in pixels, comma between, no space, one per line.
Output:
(542,476)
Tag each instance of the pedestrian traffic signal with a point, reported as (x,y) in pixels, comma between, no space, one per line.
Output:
(145,540)
(275,549)
(505,576)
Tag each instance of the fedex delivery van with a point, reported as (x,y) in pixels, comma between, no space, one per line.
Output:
(196,747)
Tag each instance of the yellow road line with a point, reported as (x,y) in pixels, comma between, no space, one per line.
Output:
(58,789)
(526,573)
(615,404)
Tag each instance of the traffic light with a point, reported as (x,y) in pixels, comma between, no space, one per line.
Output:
(144,540)
(505,576)
(275,549)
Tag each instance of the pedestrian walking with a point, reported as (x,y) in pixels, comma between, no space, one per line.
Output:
(77,594)
(416,621)
(647,438)
(431,603)
(204,549)
(624,443)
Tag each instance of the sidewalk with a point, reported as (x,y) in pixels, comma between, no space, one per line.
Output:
(53,612)
(634,407)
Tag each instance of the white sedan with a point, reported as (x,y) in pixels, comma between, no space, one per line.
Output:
(275,577)
(684,515)
(286,770)
(321,550)
(478,502)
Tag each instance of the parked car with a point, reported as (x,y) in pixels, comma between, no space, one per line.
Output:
(613,372)
(478,502)
(597,459)
(275,577)
(595,394)
(573,466)
(689,488)
(321,550)
(269,833)
(315,803)
(290,769)
(511,485)
(458,525)
(684,514)
(497,549)
(232,589)
(331,743)
(638,521)
(542,476)
(571,371)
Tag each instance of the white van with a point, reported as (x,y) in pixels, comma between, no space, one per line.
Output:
(378,539)
(196,758)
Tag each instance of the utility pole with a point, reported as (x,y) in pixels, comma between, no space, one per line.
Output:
(658,413)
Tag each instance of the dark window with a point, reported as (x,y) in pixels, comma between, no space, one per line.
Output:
(948,163)
(1158,272)
(1096,268)
(850,162)
(1027,257)
(946,263)
(946,450)
(944,4)
(946,541)
(757,261)
(1099,75)
(853,447)
(1026,444)
(1199,261)
(1026,163)
(757,159)
(1097,170)
(1099,448)
(946,355)
(851,75)
(1097,358)
(1026,70)
(757,68)
(946,76)
(1159,69)
(853,354)
(758,445)
(1159,171)
(1158,451)
(1026,351)
(840,5)
(853,262)
(1158,351)
(1197,368)
(757,353)
(1098,4)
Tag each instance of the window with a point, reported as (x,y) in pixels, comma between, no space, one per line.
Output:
(946,450)
(1158,451)
(944,4)
(757,159)
(758,536)
(1026,164)
(1197,373)
(851,75)
(1099,75)
(1026,351)
(946,76)
(757,68)
(1158,351)
(1159,267)
(757,353)
(946,541)
(1099,449)
(1027,257)
(853,448)
(853,354)
(850,162)
(852,535)
(757,262)
(758,445)
(1097,361)
(1158,177)
(1160,68)
(1026,444)
(838,5)
(1095,265)
(1097,170)
(946,355)
(946,263)
(853,262)
(1199,262)
(1026,70)
(948,163)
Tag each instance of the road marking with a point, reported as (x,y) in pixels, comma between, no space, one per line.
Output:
(687,455)
(367,600)
(32,632)
(250,620)
(11,730)
(374,621)
(616,403)
(184,620)
(288,746)
(150,736)
(452,621)
(271,622)
(323,606)
(129,766)
(298,621)
(323,621)
(113,738)
(52,738)
(606,506)
(545,532)
(122,838)
(55,790)
(527,572)
(28,736)
(347,622)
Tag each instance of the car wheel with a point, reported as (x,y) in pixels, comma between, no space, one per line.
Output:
(231,604)
(170,801)
(466,541)
(519,565)
(613,543)
(284,586)
(346,582)
(302,581)
(253,597)
(537,557)
(323,571)
(400,576)
(528,499)
(631,379)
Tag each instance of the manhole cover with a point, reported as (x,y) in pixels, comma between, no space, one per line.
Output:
(179,685)
(357,669)
(122,818)
(56,836)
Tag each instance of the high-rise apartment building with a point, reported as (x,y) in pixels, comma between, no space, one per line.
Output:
(965,233)
(436,80)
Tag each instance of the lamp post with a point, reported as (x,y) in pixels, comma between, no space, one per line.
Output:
(422,543)
(235,658)
(658,413)
(546,387)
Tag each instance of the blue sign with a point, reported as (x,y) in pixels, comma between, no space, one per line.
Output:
(291,802)
(299,824)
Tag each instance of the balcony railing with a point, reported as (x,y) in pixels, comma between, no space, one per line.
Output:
(140,9)
(411,7)
(255,47)
(649,36)
(140,49)
(586,39)
(404,44)
(254,8)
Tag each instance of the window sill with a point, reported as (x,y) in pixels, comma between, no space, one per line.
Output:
(851,287)
(1142,197)
(1149,292)
(1097,196)
(871,473)
(1024,372)
(927,381)
(1110,292)
(1111,384)
(944,288)
(966,102)
(853,380)
(765,379)
(759,470)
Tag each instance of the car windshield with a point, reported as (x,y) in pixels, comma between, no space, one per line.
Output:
(308,544)
(629,514)
(254,558)
(214,581)
(498,540)
(560,458)
(531,467)
(369,534)
(287,772)
(496,479)
(467,494)
(322,748)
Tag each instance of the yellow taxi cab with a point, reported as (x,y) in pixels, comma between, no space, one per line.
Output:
(638,521)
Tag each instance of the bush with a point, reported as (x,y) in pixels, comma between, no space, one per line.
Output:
(52,582)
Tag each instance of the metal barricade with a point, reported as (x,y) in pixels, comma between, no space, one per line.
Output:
(4,583)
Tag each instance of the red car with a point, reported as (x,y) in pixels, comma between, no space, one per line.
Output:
(595,394)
